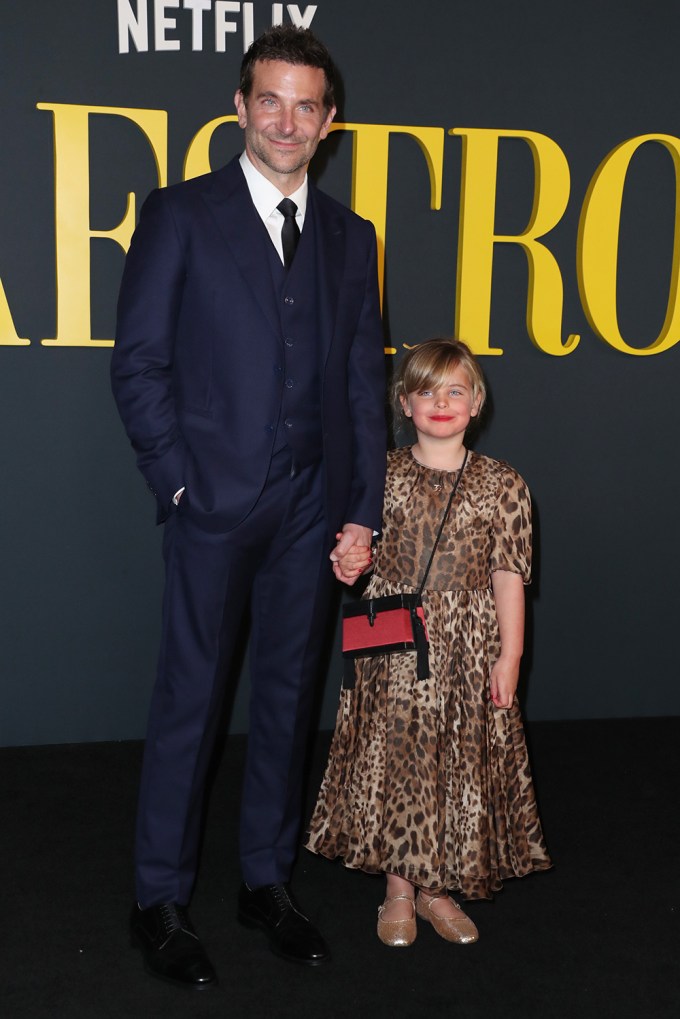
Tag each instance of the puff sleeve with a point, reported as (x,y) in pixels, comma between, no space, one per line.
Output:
(511,534)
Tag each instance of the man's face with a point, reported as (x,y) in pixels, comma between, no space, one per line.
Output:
(284,120)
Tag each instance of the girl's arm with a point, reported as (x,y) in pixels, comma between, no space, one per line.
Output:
(508,591)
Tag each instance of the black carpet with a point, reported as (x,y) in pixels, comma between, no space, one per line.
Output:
(598,936)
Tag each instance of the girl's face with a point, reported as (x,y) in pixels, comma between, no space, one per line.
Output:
(443,412)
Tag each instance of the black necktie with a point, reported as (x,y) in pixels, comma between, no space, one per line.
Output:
(290,231)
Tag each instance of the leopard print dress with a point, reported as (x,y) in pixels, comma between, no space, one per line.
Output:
(426,779)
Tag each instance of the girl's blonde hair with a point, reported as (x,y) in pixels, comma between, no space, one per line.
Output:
(430,364)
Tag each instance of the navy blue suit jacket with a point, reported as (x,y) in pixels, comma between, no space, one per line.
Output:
(198,331)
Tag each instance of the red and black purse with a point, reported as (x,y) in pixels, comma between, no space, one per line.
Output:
(394,622)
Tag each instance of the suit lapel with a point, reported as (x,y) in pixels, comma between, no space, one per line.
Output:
(330,255)
(230,204)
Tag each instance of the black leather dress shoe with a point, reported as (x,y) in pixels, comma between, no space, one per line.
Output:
(171,947)
(290,933)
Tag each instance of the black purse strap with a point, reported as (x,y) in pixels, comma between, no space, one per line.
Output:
(441,526)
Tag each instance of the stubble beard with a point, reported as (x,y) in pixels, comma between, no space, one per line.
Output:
(269,159)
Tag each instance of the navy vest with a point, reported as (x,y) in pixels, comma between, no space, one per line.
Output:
(299,421)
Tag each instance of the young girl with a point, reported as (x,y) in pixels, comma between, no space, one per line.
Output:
(428,781)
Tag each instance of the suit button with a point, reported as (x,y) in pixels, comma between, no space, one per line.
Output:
(289,300)
(288,341)
(289,383)
(288,423)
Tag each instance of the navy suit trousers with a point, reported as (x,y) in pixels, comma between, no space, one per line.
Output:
(276,561)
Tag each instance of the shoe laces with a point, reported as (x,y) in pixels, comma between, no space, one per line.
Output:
(282,897)
(285,902)
(175,918)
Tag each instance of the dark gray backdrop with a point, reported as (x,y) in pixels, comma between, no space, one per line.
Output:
(594,433)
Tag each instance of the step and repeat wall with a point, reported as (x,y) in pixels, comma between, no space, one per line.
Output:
(520,163)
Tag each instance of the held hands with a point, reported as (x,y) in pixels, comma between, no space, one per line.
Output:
(503,683)
(355,562)
(352,555)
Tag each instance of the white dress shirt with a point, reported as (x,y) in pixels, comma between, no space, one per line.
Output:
(266,196)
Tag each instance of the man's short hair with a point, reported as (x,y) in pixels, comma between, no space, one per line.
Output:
(292,45)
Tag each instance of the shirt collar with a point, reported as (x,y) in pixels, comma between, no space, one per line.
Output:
(265,195)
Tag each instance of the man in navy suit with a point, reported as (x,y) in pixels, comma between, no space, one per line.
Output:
(248,371)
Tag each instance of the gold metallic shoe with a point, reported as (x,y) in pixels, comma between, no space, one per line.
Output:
(397,933)
(459,929)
